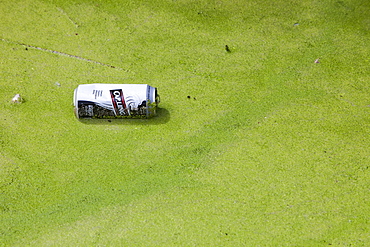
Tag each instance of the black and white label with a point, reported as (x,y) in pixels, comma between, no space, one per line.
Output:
(118,102)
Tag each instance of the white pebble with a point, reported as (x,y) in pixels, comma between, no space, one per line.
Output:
(17,98)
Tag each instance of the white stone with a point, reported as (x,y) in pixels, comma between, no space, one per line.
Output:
(17,98)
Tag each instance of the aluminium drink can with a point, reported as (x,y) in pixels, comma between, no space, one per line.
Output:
(115,101)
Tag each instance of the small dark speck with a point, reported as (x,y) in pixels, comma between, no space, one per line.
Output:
(76,33)
(226,233)
(112,66)
(109,120)
(227,48)
(26,49)
(195,98)
(189,97)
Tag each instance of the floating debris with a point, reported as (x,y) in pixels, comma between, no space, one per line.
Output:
(17,99)
(317,60)
(227,48)
(109,101)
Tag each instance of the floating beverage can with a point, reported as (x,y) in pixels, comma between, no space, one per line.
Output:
(115,101)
